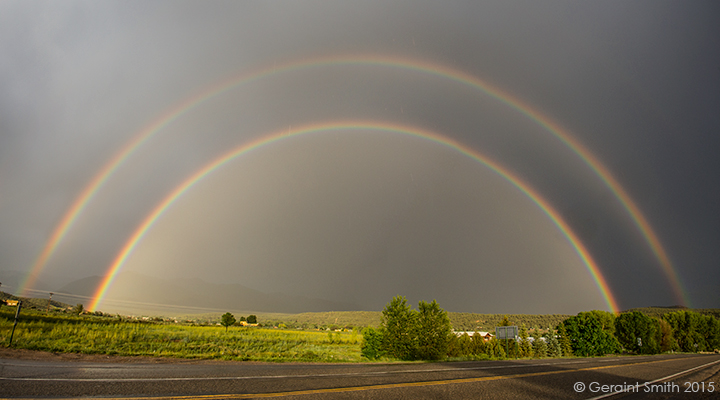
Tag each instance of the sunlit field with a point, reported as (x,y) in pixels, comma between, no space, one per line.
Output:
(199,342)
(404,334)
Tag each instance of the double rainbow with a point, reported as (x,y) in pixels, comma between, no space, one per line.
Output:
(434,70)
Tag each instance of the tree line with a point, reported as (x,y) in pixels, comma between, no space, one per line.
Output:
(426,334)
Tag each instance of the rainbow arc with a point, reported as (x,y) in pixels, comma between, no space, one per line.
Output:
(371,60)
(275,137)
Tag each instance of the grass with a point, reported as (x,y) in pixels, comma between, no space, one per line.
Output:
(167,340)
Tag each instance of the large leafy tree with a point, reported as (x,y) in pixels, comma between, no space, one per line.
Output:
(398,329)
(686,326)
(606,318)
(638,333)
(433,331)
(694,332)
(587,336)
(711,332)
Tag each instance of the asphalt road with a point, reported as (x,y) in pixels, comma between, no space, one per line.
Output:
(537,379)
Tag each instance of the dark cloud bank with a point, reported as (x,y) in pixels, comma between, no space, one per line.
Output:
(352,218)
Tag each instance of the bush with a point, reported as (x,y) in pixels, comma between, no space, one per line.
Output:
(407,334)
(372,344)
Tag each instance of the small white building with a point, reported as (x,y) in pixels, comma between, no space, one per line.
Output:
(485,335)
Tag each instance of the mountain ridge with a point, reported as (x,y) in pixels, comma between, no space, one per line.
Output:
(135,287)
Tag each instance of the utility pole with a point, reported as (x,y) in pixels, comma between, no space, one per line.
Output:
(17,314)
(49,300)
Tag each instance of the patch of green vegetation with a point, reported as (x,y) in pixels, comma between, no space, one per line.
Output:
(487,322)
(336,336)
(658,312)
(131,338)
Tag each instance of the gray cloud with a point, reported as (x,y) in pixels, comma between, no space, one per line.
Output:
(638,84)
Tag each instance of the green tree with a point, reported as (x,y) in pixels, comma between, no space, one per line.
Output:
(371,347)
(252,319)
(398,329)
(564,339)
(711,332)
(478,344)
(588,337)
(667,341)
(606,319)
(539,345)
(433,330)
(525,346)
(455,347)
(226,320)
(638,333)
(686,326)
(553,345)
(495,349)
(78,309)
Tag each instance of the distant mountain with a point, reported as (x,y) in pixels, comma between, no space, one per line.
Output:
(139,288)
(82,287)
(12,279)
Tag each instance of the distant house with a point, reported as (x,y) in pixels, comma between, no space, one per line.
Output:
(245,323)
(11,302)
(485,335)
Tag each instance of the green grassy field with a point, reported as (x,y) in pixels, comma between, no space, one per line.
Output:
(83,335)
(283,337)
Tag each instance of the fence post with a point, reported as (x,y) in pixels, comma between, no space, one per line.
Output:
(17,315)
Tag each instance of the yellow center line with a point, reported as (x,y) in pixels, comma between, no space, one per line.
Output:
(385,386)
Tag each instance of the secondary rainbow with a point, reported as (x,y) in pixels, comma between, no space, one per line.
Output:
(528,191)
(426,67)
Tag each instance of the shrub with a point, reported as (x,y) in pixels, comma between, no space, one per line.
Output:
(371,345)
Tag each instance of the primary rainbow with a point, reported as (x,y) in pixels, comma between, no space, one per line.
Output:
(557,219)
(371,60)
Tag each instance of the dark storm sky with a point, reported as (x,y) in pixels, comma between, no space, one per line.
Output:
(359,217)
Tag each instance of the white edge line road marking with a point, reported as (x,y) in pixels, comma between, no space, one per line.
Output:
(656,380)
